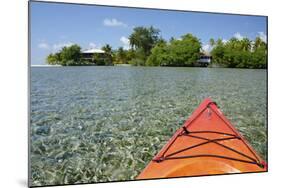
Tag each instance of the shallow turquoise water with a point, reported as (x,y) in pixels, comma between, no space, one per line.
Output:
(95,124)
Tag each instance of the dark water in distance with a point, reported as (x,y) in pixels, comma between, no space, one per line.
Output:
(95,124)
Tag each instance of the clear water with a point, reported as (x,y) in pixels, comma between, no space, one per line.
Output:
(95,124)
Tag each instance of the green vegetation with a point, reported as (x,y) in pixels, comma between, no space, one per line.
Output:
(104,59)
(72,56)
(122,56)
(142,40)
(183,52)
(67,56)
(53,59)
(240,53)
(147,48)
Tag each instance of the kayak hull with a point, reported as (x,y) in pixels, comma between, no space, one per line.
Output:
(207,144)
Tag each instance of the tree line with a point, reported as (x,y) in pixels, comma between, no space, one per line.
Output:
(242,53)
(72,56)
(148,48)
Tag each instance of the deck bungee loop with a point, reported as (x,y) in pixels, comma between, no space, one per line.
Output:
(206,144)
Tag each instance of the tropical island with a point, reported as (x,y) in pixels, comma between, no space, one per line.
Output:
(148,48)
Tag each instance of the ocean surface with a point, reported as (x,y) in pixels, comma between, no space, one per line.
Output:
(96,124)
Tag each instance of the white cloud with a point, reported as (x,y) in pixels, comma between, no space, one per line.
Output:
(224,41)
(125,41)
(58,46)
(207,48)
(238,36)
(263,36)
(113,23)
(43,45)
(92,45)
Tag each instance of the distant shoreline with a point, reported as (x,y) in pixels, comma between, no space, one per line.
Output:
(46,65)
(215,66)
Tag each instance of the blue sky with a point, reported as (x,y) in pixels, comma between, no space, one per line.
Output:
(56,25)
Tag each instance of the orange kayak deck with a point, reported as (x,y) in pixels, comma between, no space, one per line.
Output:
(206,144)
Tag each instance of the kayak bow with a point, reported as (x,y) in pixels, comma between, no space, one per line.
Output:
(206,144)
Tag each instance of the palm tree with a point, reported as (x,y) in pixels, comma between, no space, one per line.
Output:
(144,38)
(234,43)
(258,43)
(107,48)
(121,55)
(219,42)
(132,40)
(246,44)
(108,51)
(212,42)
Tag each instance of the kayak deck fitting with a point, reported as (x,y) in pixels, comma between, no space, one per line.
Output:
(206,144)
